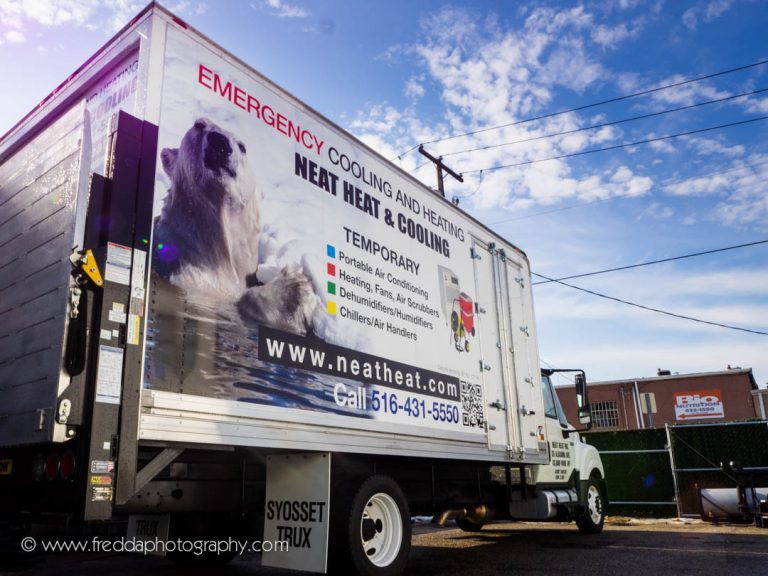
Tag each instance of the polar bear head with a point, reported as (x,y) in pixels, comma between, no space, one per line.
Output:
(211,163)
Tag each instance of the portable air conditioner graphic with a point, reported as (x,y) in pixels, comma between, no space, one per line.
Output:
(458,309)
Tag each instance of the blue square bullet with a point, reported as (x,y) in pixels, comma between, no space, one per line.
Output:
(331,251)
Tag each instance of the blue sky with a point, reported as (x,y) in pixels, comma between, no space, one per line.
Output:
(399,73)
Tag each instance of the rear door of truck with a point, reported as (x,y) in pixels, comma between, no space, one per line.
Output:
(508,355)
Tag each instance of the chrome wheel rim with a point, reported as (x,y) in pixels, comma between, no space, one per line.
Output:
(381,530)
(594,504)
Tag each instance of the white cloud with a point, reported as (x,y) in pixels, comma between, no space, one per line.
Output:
(489,76)
(687,94)
(414,88)
(13,37)
(656,211)
(708,12)
(284,10)
(759,106)
(747,200)
(569,65)
(49,13)
(691,19)
(716,8)
(379,119)
(121,13)
(715,146)
(699,186)
(743,187)
(714,354)
(662,146)
(628,4)
(19,15)
(731,297)
(612,36)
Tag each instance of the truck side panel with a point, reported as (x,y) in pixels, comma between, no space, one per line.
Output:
(38,198)
(45,171)
(299,279)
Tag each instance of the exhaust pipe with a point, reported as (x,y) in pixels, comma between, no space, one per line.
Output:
(479,514)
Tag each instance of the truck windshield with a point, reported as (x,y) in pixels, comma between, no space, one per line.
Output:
(552,407)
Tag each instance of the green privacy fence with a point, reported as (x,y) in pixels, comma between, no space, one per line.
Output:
(638,472)
(658,472)
(717,456)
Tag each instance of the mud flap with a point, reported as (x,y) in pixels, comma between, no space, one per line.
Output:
(297,511)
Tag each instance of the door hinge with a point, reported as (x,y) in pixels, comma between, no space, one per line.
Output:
(516,452)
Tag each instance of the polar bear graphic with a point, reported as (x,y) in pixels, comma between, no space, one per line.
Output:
(208,234)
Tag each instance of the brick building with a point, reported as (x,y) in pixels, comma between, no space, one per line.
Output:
(670,399)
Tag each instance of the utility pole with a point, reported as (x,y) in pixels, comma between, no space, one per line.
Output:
(440,167)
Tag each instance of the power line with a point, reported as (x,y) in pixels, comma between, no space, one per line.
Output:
(652,262)
(420,166)
(587,106)
(628,195)
(650,309)
(471,193)
(606,124)
(617,146)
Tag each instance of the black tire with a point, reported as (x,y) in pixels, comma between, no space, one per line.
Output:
(590,520)
(468,526)
(367,537)
(455,322)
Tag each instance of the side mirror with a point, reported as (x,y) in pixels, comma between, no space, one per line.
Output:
(582,401)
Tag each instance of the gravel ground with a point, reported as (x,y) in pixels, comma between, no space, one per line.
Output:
(625,548)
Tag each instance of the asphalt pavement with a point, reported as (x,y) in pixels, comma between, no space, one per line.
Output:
(625,548)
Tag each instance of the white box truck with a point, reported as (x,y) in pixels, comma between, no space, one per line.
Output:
(220,314)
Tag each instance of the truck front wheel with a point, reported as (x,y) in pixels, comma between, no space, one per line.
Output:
(370,528)
(591,519)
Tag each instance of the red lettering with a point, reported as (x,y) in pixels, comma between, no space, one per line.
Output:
(268,117)
(201,75)
(253,104)
(304,135)
(225,90)
(318,143)
(249,103)
(239,96)
(280,126)
(294,131)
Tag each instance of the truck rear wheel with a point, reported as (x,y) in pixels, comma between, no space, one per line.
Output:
(370,528)
(592,518)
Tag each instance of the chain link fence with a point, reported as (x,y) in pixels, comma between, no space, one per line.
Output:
(731,455)
(660,472)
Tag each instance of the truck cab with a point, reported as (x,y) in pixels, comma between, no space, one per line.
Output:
(572,485)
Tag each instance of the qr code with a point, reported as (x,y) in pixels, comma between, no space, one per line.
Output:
(472,405)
